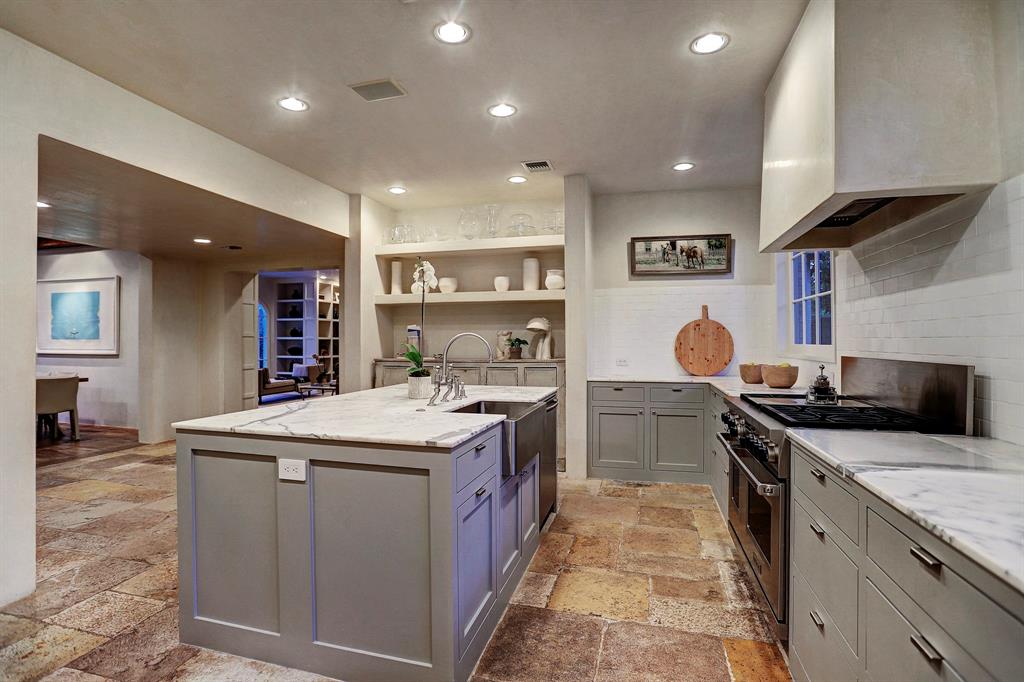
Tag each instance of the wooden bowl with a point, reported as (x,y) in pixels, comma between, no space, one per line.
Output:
(779,377)
(751,373)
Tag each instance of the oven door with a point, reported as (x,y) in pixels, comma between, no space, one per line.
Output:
(757,518)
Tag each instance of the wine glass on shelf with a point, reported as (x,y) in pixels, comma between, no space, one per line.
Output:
(469,224)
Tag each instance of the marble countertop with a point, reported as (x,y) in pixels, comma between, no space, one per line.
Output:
(380,415)
(731,386)
(967,491)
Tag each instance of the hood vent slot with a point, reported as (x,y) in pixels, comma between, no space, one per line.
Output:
(537,166)
(855,211)
(374,91)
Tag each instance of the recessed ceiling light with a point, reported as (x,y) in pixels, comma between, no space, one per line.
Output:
(502,110)
(683,166)
(293,104)
(42,204)
(202,240)
(517,179)
(709,42)
(323,276)
(397,190)
(452,32)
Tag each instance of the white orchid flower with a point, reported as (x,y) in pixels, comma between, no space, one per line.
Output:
(424,273)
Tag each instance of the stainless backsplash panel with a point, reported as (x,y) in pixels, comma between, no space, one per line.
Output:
(941,392)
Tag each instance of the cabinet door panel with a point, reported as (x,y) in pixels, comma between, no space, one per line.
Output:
(677,439)
(529,502)
(389,375)
(617,437)
(541,376)
(471,376)
(509,536)
(502,376)
(477,558)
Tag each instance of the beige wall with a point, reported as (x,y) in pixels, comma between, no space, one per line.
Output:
(1008,30)
(60,100)
(362,283)
(579,282)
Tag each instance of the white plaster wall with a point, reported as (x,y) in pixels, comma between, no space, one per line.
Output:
(111,396)
(579,281)
(362,283)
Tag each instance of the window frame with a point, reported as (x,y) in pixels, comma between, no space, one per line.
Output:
(807,351)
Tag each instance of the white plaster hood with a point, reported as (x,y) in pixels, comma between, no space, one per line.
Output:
(888,104)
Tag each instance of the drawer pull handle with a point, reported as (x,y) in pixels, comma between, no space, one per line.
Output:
(818,475)
(925,557)
(480,447)
(817,620)
(677,390)
(818,530)
(926,649)
(618,388)
(482,490)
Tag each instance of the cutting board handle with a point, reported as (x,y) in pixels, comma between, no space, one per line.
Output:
(703,312)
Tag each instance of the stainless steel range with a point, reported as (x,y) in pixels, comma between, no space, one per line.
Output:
(887,395)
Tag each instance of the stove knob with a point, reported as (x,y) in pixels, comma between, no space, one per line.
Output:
(726,418)
(772,450)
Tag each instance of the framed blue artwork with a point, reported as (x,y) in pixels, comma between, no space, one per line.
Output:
(78,316)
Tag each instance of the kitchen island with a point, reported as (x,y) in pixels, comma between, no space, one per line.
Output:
(364,536)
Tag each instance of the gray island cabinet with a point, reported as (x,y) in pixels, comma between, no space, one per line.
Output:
(389,561)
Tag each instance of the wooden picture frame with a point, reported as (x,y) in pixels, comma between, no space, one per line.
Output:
(700,254)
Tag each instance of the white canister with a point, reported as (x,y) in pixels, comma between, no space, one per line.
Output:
(420,388)
(555,279)
(501,283)
(396,277)
(531,274)
(448,285)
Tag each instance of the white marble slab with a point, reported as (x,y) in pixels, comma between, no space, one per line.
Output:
(967,491)
(731,386)
(380,415)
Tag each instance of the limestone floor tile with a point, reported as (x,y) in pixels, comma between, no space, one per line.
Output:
(139,494)
(534,589)
(627,489)
(46,535)
(147,475)
(214,665)
(72,675)
(49,504)
(107,613)
(159,582)
(155,545)
(74,585)
(148,652)
(740,588)
(710,525)
(594,552)
(44,651)
(164,504)
(653,540)
(701,590)
(82,542)
(690,569)
(13,628)
(599,509)
(46,479)
(635,652)
(51,561)
(132,522)
(667,517)
(662,496)
(581,526)
(609,594)
(532,644)
(717,549)
(587,486)
(85,490)
(551,553)
(83,513)
(710,619)
(752,661)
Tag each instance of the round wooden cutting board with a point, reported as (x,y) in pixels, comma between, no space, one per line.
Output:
(704,347)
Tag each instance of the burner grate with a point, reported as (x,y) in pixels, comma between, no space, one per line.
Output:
(826,416)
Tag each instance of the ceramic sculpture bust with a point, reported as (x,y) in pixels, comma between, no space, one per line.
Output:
(542,347)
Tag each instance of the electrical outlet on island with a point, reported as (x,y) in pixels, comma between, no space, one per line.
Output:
(621,362)
(291,469)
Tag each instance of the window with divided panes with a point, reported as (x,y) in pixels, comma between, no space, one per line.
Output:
(810,296)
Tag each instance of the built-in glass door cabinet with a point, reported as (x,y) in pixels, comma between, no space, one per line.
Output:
(648,432)
(295,326)
(328,324)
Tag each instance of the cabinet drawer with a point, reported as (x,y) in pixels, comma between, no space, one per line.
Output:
(828,571)
(677,394)
(832,498)
(895,650)
(475,461)
(815,639)
(979,625)
(617,393)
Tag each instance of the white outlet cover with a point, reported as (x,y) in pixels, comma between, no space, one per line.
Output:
(291,469)
(622,362)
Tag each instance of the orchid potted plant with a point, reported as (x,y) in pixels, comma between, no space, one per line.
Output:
(423,280)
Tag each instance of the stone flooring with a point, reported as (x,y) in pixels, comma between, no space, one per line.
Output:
(630,583)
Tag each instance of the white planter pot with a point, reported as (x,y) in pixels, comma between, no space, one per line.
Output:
(501,283)
(448,285)
(420,388)
(555,279)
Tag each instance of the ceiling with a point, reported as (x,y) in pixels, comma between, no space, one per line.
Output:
(98,201)
(604,87)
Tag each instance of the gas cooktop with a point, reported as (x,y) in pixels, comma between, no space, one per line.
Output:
(849,413)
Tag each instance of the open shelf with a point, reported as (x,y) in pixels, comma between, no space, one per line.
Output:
(434,298)
(546,242)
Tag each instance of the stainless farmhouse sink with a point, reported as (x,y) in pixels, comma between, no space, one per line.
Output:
(522,430)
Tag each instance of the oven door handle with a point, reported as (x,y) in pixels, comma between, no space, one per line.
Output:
(763,489)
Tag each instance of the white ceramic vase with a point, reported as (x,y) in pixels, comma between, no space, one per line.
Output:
(420,388)
(396,277)
(555,279)
(531,274)
(448,285)
(501,283)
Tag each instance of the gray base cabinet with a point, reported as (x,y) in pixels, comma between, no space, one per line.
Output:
(875,597)
(647,432)
(386,563)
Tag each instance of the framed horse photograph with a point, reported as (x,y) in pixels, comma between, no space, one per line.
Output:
(702,254)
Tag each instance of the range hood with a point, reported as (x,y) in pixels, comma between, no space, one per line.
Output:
(879,113)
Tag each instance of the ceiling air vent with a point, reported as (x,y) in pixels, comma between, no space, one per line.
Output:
(537,166)
(373,91)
